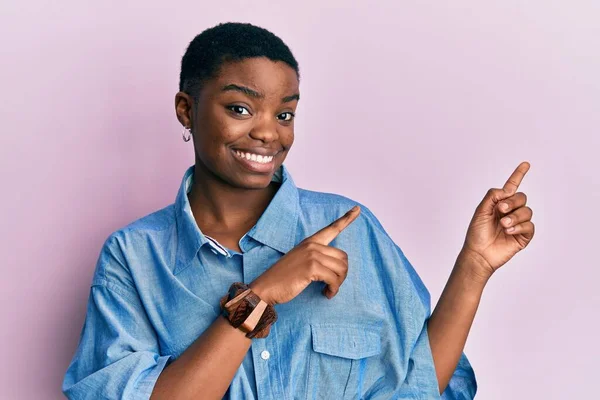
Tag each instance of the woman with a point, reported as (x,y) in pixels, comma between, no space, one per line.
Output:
(332,309)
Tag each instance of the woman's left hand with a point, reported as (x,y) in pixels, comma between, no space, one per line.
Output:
(490,242)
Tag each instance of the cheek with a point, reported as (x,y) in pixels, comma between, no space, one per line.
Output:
(232,131)
(218,131)
(286,137)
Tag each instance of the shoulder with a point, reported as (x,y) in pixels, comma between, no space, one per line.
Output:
(134,241)
(367,234)
(323,206)
(153,224)
(158,220)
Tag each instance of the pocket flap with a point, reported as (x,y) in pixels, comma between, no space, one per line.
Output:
(352,341)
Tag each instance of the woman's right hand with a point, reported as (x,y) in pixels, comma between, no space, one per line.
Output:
(311,260)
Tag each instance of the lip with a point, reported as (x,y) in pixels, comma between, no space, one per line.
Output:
(255,166)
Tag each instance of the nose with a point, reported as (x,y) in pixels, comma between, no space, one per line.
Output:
(265,129)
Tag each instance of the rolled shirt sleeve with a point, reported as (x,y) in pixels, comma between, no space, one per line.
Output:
(462,385)
(409,302)
(118,354)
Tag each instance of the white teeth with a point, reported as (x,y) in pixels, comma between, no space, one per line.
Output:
(254,157)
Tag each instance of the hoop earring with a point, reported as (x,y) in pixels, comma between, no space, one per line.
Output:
(186,139)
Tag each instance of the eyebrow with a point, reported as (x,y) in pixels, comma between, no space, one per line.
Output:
(242,89)
(291,98)
(253,93)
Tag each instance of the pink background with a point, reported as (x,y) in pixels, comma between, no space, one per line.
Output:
(413,108)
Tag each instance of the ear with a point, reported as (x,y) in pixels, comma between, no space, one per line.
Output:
(184,104)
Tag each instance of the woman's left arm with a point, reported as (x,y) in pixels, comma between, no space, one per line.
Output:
(489,244)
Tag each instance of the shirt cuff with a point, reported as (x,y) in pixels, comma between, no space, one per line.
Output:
(146,385)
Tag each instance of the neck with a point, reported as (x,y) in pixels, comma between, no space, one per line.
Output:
(220,207)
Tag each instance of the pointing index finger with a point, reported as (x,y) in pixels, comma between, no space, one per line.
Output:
(512,184)
(327,234)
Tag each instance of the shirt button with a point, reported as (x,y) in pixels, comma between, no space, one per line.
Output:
(265,355)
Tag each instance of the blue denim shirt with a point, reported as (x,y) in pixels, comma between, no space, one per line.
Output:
(158,281)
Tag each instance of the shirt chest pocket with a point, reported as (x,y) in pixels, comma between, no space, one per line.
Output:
(337,363)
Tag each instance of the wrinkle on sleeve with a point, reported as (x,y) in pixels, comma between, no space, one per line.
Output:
(409,301)
(462,384)
(118,354)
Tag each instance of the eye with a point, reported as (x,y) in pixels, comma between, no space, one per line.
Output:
(287,116)
(238,109)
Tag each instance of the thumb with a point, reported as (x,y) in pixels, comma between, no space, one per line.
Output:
(491,200)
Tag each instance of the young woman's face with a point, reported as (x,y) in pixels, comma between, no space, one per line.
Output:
(244,124)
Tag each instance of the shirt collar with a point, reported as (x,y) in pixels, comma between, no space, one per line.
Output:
(275,228)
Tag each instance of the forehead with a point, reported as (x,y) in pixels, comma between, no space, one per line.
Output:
(271,78)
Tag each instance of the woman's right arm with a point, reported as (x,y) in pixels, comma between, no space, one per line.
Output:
(207,367)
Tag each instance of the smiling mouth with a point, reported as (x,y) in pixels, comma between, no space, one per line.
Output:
(252,157)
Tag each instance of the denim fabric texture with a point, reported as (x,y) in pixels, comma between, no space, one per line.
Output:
(157,284)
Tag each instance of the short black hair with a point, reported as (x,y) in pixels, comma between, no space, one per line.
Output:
(227,42)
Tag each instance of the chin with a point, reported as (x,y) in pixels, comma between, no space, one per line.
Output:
(255,182)
(251,177)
